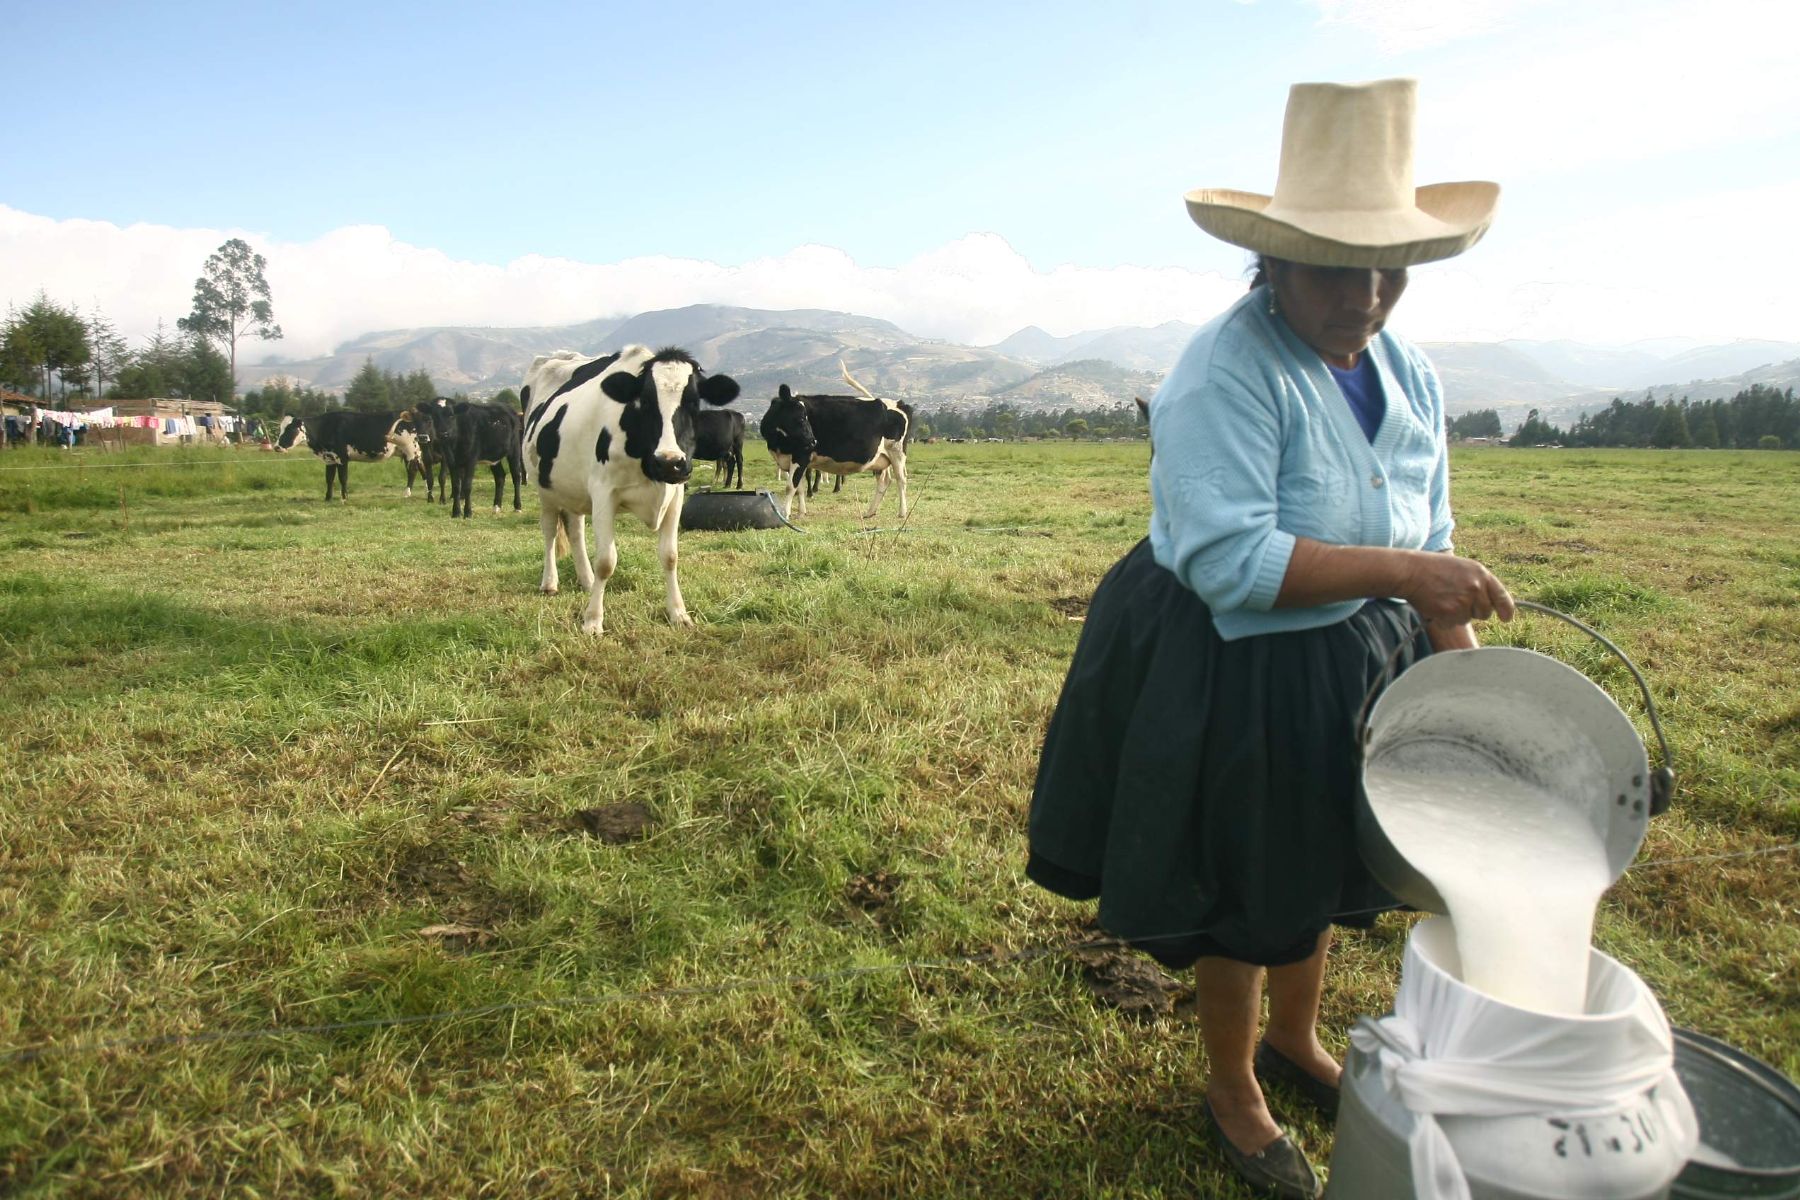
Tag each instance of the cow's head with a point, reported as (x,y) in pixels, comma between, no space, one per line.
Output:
(428,420)
(660,400)
(293,433)
(786,426)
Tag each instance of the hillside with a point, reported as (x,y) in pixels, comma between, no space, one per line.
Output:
(764,349)
(1085,383)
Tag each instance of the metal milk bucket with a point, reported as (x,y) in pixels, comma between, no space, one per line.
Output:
(1524,716)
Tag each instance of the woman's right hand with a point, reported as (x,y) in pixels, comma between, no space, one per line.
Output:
(1451,590)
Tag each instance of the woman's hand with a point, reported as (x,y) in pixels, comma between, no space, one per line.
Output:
(1449,590)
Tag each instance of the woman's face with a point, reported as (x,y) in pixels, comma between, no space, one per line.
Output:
(1336,310)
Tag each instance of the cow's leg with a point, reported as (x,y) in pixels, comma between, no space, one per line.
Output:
(799,486)
(575,527)
(606,560)
(549,520)
(838,486)
(881,483)
(499,485)
(517,465)
(330,478)
(899,472)
(409,478)
(666,551)
(796,492)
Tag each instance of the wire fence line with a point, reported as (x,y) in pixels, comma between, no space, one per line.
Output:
(992,957)
(118,466)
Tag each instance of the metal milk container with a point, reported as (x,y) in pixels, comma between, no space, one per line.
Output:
(1458,1095)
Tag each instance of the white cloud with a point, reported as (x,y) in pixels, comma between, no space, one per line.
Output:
(1612,276)
(1611,83)
(1618,276)
(360,279)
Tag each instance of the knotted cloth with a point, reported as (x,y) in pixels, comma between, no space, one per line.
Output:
(1448,1050)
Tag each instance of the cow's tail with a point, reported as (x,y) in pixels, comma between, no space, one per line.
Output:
(562,535)
(851,380)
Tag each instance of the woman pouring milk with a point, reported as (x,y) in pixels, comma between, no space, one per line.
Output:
(1199,772)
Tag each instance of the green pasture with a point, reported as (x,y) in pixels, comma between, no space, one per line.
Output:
(272,764)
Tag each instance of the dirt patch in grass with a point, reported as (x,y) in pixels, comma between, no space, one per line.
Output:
(1127,981)
(873,891)
(616,824)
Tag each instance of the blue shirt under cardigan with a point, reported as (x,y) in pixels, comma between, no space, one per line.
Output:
(1256,446)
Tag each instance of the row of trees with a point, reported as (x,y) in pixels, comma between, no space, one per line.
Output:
(1009,421)
(1757,418)
(372,390)
(55,352)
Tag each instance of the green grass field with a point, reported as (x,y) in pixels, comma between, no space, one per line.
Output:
(271,764)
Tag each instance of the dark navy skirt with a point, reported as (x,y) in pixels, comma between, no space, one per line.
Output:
(1205,790)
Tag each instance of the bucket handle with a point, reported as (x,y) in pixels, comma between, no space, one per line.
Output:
(1662,780)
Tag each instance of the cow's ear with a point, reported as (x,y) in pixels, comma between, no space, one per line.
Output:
(621,386)
(718,389)
(784,393)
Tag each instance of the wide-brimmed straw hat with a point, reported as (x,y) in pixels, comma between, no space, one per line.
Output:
(1344,194)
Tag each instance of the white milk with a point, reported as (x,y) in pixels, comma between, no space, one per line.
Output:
(1520,871)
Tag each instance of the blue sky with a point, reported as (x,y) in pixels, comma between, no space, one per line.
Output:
(963,169)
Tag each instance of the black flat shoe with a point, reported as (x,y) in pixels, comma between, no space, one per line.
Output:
(1272,1066)
(1279,1168)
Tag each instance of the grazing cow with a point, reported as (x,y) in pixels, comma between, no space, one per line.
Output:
(430,426)
(839,435)
(719,439)
(607,433)
(482,433)
(341,435)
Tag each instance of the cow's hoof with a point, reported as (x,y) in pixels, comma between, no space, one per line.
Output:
(592,627)
(496,510)
(548,589)
(681,620)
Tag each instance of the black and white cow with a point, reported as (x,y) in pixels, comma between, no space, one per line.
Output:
(607,433)
(477,434)
(719,439)
(341,436)
(839,435)
(430,426)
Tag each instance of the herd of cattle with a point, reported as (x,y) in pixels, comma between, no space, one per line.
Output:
(619,431)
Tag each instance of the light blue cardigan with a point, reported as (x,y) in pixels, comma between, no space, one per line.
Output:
(1255,446)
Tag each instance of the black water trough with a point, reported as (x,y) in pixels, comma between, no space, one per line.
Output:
(730,510)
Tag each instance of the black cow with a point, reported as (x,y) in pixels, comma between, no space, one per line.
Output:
(482,433)
(839,435)
(430,427)
(719,439)
(340,436)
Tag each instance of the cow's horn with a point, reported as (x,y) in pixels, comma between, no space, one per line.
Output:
(851,380)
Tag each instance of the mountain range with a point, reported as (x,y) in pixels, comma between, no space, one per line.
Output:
(763,349)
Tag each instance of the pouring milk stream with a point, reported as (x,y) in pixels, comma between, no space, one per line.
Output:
(1508,791)
(1520,870)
